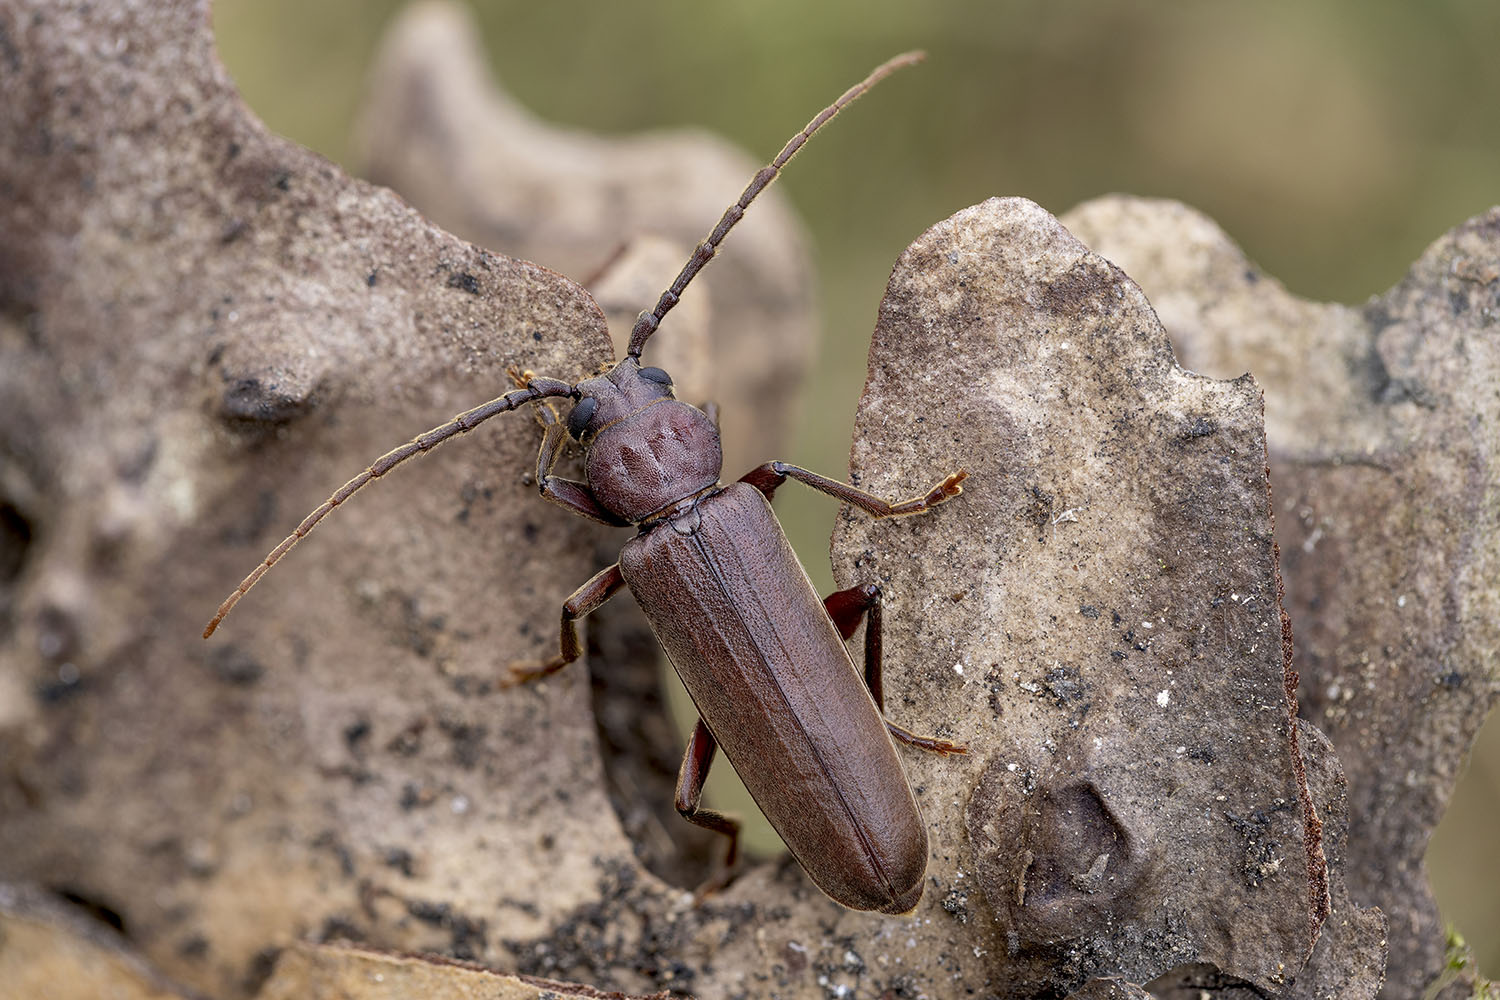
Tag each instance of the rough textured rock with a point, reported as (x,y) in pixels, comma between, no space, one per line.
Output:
(205,328)
(1098,618)
(1110,989)
(1384,432)
(439,130)
(1349,959)
(1348,962)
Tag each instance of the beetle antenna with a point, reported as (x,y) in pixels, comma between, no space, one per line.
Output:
(647,322)
(536,388)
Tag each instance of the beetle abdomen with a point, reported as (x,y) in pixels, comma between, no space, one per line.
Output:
(771,677)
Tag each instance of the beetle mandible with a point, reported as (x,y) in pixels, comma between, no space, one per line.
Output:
(764,660)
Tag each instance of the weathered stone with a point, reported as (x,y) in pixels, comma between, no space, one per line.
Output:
(1384,432)
(1110,989)
(205,329)
(1097,616)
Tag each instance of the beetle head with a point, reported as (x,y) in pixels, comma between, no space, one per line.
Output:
(614,395)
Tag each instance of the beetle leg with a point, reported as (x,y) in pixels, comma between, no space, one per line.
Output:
(846,608)
(690,777)
(566,493)
(600,588)
(929,743)
(767,478)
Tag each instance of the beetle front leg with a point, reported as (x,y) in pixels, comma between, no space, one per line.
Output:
(767,478)
(846,608)
(566,493)
(690,777)
(588,598)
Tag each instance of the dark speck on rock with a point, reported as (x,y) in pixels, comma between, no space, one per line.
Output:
(464,281)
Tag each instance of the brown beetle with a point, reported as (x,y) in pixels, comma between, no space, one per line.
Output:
(763,659)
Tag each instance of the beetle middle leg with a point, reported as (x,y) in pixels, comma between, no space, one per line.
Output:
(767,478)
(690,778)
(588,598)
(846,608)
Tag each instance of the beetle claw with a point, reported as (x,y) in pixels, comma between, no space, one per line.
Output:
(715,883)
(947,489)
(524,672)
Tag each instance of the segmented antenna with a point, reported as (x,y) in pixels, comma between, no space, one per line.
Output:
(537,388)
(647,322)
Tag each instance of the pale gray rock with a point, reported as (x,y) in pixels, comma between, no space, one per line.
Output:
(1382,428)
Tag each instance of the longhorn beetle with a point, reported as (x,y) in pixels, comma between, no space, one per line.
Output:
(763,659)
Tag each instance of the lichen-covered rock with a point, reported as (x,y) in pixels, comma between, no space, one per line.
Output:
(1382,425)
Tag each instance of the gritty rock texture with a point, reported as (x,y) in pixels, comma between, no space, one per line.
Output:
(1098,618)
(1110,989)
(438,129)
(1349,959)
(205,329)
(1383,423)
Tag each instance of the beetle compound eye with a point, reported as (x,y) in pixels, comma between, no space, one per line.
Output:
(579,419)
(656,375)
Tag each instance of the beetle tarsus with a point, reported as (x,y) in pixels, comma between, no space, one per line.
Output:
(947,489)
(929,743)
(527,672)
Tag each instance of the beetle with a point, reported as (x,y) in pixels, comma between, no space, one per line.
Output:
(764,660)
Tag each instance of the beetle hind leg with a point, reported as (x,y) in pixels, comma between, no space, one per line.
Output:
(846,608)
(690,777)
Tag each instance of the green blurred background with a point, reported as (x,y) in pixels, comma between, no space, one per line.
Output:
(1333,141)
